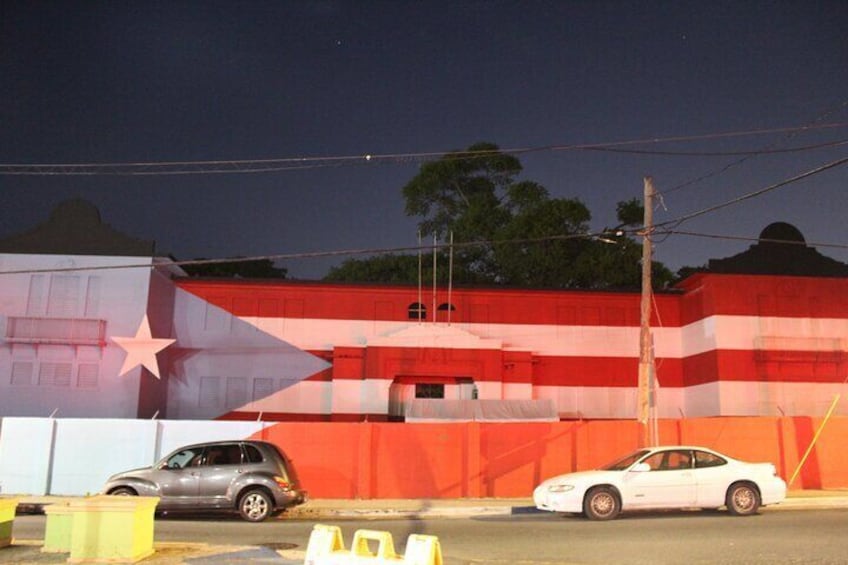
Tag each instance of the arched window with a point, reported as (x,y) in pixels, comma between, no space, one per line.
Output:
(417,311)
(447,306)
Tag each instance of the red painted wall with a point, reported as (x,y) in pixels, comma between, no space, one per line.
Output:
(761,295)
(298,299)
(470,460)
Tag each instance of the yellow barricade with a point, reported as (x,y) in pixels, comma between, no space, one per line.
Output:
(7,518)
(422,550)
(326,547)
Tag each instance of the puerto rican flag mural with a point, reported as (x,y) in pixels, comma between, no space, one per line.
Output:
(723,345)
(221,363)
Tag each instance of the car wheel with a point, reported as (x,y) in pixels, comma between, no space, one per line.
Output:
(255,505)
(123,491)
(743,499)
(601,503)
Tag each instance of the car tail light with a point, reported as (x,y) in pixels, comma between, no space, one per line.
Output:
(283,483)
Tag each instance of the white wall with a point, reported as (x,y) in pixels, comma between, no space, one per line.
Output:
(40,456)
(42,286)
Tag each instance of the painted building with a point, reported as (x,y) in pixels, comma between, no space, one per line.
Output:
(102,333)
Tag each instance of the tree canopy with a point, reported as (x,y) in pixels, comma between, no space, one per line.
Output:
(508,231)
(248,269)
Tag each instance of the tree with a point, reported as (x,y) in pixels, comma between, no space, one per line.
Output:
(509,231)
(248,269)
(461,193)
(382,268)
(614,260)
(542,240)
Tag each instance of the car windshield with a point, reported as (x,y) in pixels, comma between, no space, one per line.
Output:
(625,462)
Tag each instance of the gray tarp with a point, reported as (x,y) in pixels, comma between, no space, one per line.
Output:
(440,410)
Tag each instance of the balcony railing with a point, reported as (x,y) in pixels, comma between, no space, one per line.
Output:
(62,331)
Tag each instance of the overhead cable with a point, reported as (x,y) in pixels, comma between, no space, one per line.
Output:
(247,166)
(815,171)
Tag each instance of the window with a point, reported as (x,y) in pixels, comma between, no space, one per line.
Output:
(655,461)
(417,311)
(87,375)
(54,374)
(679,460)
(227,454)
(209,392)
(429,390)
(704,459)
(236,394)
(63,298)
(22,373)
(263,387)
(252,454)
(670,460)
(447,306)
(185,458)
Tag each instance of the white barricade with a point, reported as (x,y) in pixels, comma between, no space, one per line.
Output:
(326,547)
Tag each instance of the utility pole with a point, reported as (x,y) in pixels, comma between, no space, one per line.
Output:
(646,358)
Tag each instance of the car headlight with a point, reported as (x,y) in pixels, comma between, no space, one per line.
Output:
(560,488)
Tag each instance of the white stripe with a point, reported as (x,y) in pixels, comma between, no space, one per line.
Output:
(709,334)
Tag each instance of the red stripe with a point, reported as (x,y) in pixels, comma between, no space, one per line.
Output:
(703,295)
(765,366)
(758,295)
(496,306)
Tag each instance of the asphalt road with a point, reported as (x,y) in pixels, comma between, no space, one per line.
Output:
(695,537)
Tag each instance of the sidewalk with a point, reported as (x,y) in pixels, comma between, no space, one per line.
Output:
(28,551)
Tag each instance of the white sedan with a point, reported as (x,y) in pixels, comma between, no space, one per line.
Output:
(664,477)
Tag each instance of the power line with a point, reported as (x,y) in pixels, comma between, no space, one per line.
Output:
(318,254)
(822,116)
(720,153)
(815,171)
(753,239)
(252,166)
(600,236)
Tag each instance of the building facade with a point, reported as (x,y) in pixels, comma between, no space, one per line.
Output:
(109,333)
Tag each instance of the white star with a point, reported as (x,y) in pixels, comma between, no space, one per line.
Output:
(142,349)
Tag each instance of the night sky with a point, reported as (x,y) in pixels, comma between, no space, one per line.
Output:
(149,82)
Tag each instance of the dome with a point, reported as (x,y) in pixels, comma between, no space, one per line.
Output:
(781,231)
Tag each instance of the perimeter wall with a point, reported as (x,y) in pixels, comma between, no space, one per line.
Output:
(395,460)
(469,460)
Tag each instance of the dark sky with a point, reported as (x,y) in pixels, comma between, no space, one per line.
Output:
(119,82)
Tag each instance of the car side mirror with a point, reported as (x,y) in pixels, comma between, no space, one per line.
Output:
(640,468)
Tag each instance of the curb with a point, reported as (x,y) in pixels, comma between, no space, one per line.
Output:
(807,503)
(464,511)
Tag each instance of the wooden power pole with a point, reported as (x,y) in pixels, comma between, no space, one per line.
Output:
(646,358)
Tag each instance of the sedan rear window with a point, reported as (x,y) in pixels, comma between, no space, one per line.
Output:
(704,459)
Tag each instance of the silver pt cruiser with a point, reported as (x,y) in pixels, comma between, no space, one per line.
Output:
(254,478)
